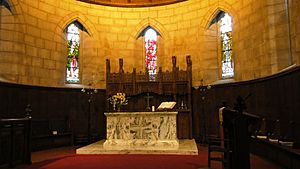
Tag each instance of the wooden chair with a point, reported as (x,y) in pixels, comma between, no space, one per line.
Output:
(219,147)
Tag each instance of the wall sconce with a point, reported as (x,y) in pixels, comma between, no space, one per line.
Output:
(90,91)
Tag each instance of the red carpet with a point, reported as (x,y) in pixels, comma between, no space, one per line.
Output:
(124,162)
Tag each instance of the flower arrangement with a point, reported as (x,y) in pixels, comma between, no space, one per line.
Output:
(118,100)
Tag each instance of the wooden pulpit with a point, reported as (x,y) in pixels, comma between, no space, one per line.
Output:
(235,126)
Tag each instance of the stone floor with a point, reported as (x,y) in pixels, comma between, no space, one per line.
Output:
(186,147)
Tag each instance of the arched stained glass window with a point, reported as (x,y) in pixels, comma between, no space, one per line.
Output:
(150,52)
(73,37)
(226,46)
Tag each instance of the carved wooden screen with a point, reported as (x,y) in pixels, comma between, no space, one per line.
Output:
(169,82)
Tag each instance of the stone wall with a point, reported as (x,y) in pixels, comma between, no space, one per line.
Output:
(295,29)
(33,44)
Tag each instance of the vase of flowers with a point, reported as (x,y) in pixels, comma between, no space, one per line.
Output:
(118,100)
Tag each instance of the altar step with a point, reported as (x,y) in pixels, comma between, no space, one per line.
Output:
(186,147)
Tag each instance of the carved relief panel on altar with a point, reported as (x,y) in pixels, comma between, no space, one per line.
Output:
(141,129)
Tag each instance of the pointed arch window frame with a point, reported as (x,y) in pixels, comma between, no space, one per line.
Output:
(152,75)
(70,58)
(6,4)
(226,55)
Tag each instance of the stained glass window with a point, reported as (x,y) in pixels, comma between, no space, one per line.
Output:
(151,48)
(226,46)
(73,37)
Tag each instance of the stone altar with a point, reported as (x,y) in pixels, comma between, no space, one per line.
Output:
(141,130)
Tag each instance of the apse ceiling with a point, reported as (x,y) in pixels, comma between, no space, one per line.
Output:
(132,3)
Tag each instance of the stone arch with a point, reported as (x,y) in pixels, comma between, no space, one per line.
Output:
(149,22)
(6,4)
(134,39)
(213,52)
(88,25)
(16,16)
(214,10)
(17,12)
(87,67)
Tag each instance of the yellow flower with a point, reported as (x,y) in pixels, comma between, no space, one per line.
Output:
(118,99)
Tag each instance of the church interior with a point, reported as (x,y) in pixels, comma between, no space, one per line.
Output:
(74,72)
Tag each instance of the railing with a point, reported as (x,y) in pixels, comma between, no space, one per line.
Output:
(15,142)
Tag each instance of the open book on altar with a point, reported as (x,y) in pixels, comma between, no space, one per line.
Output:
(166,106)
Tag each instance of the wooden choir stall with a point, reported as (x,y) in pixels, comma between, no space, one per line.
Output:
(235,125)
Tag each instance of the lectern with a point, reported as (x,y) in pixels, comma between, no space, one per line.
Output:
(235,126)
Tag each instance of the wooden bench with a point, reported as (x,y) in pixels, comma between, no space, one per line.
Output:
(284,156)
(51,133)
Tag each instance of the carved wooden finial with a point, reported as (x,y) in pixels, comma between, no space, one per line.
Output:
(28,110)
(188,60)
(121,65)
(174,61)
(107,70)
(107,65)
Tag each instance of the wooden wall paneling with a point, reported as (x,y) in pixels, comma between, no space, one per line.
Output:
(19,142)
(296,105)
(17,100)
(197,126)
(53,103)
(266,107)
(216,102)
(20,102)
(184,131)
(210,112)
(61,100)
(251,100)
(98,117)
(35,99)
(76,112)
(274,97)
(12,103)
(3,102)
(5,145)
(258,99)
(286,97)
(293,104)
